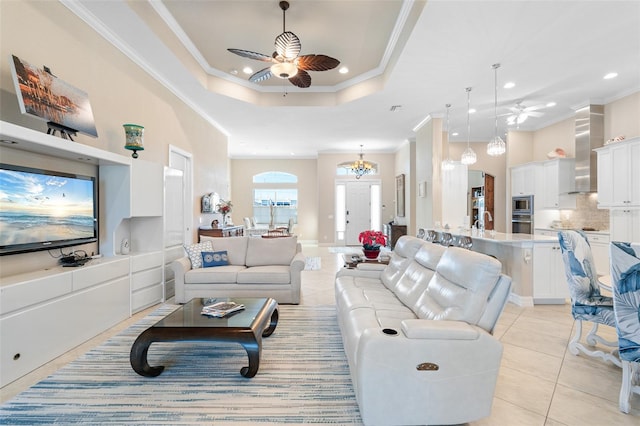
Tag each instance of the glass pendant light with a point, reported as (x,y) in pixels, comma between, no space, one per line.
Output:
(496,146)
(469,155)
(447,163)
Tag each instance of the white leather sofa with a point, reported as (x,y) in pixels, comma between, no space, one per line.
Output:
(258,267)
(417,333)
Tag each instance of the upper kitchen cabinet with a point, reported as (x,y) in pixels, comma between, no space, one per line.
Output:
(558,177)
(523,180)
(619,174)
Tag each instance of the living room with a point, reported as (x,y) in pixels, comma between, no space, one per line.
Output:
(122,91)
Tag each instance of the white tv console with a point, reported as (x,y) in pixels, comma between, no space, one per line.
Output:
(47,312)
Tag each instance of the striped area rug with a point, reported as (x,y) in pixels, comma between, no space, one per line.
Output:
(303,378)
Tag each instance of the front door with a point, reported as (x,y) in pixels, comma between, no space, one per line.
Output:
(358,211)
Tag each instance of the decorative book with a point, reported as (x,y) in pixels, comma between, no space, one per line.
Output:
(221,309)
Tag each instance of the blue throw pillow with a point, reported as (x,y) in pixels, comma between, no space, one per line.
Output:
(214,258)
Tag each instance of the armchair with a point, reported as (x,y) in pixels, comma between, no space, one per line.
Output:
(625,275)
(587,304)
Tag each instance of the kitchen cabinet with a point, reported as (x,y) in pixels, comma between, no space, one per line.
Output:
(599,243)
(523,179)
(558,177)
(549,280)
(624,225)
(619,174)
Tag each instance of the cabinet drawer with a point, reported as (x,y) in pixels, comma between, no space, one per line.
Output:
(146,297)
(146,278)
(597,238)
(140,262)
(93,274)
(27,293)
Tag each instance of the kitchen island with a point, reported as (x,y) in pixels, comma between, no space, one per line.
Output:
(534,263)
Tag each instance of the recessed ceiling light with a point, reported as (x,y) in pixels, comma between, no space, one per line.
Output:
(611,75)
(247,70)
(509,85)
(455,134)
(343,70)
(472,110)
(551,104)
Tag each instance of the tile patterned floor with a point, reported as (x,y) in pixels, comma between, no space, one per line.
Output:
(540,382)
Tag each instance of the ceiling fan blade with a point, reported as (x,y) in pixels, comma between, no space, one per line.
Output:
(302,79)
(251,55)
(262,75)
(534,113)
(317,62)
(288,45)
(534,108)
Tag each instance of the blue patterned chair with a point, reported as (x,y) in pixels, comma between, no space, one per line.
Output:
(587,304)
(625,275)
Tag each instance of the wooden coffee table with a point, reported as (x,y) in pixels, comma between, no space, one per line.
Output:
(246,327)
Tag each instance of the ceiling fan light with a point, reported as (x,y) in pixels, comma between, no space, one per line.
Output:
(284,70)
(496,147)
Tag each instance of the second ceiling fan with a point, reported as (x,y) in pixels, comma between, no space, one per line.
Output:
(287,64)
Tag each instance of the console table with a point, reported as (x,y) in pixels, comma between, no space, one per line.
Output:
(227,231)
(393,232)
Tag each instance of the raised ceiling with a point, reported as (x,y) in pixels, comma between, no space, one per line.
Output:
(415,55)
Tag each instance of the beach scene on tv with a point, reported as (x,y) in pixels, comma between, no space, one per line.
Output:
(38,207)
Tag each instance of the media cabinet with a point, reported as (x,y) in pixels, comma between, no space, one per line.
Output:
(48,311)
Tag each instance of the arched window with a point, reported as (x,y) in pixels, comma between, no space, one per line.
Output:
(275,198)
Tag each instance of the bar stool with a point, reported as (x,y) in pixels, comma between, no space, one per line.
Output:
(432,236)
(465,242)
(447,239)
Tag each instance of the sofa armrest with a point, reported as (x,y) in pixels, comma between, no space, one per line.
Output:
(295,269)
(357,272)
(180,268)
(428,329)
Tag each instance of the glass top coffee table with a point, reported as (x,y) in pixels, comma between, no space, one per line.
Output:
(246,327)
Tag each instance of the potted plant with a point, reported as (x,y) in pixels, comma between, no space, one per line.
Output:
(371,241)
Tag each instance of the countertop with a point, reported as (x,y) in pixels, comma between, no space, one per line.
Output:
(500,237)
(605,232)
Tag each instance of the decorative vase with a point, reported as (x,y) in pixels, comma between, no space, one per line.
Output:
(224,220)
(371,254)
(134,138)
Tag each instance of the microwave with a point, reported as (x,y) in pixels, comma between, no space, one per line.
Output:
(522,205)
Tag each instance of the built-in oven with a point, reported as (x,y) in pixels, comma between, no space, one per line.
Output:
(522,215)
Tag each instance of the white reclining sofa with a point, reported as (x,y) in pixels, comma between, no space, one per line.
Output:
(417,333)
(258,267)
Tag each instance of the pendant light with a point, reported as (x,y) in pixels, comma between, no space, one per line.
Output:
(496,146)
(469,155)
(447,163)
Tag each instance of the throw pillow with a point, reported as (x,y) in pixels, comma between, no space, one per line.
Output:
(214,258)
(194,250)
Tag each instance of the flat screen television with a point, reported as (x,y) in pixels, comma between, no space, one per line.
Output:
(44,209)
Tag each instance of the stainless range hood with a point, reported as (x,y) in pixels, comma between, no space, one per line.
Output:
(589,135)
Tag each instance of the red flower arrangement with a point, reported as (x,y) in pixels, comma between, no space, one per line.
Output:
(372,240)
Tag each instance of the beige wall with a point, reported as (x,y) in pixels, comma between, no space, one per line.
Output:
(242,172)
(428,156)
(622,117)
(46,32)
(558,135)
(405,163)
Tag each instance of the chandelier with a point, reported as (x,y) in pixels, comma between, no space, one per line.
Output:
(496,146)
(447,163)
(469,155)
(361,167)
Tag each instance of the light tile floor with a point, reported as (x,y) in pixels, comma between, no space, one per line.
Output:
(540,381)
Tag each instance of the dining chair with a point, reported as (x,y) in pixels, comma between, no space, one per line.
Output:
(587,303)
(625,277)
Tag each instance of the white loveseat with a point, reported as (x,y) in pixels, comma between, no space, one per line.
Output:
(417,333)
(258,267)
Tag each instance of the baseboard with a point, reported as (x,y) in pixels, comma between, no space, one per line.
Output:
(524,301)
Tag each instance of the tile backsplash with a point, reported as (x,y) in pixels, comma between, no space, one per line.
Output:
(586,214)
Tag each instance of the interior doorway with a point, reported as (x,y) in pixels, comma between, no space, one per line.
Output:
(181,160)
(481,199)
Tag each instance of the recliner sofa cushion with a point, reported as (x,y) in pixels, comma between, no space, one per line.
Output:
(236,247)
(460,287)
(271,251)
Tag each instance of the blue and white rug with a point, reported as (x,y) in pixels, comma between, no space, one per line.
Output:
(303,378)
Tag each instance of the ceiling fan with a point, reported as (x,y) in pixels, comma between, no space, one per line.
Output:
(519,113)
(286,62)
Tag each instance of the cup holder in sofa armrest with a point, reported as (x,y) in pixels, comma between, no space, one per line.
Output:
(390,331)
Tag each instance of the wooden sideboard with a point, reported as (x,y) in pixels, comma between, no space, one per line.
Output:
(227,231)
